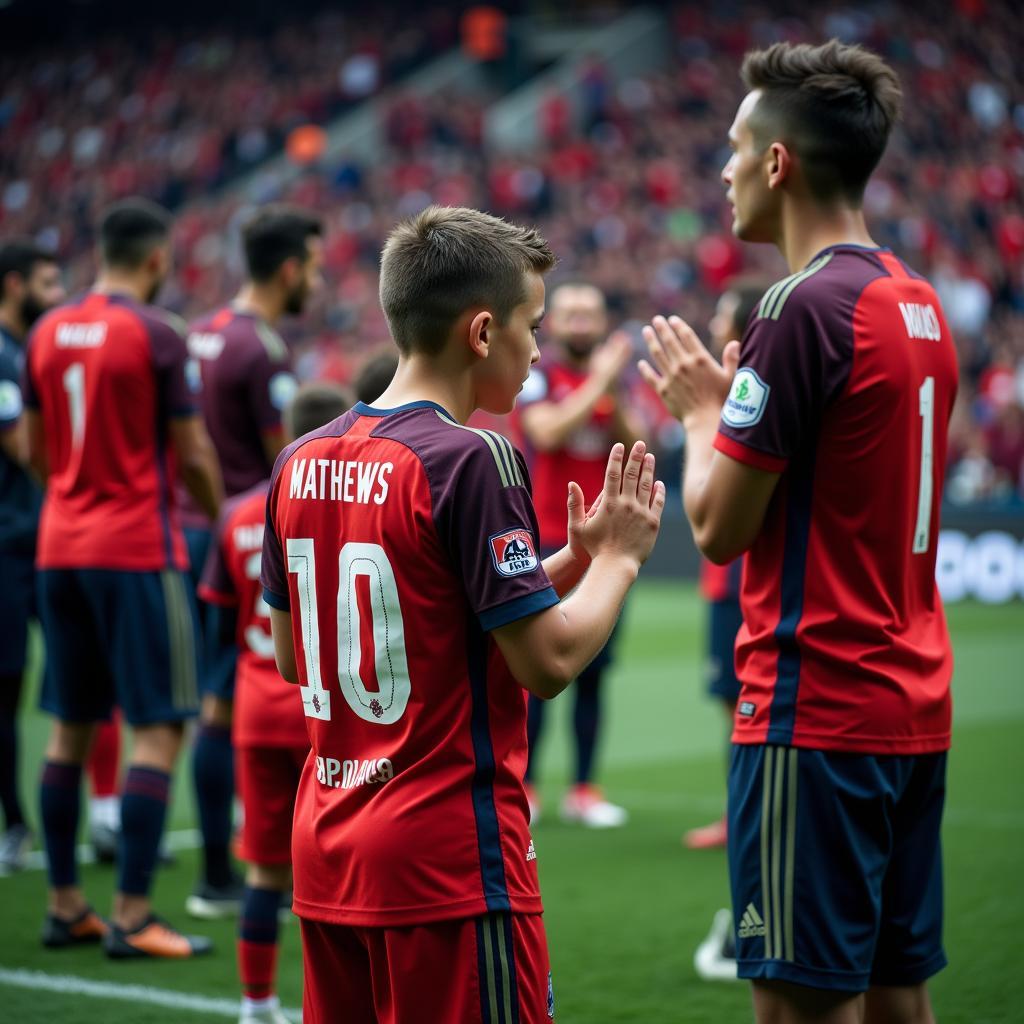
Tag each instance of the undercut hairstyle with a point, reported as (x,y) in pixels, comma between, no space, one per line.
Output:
(447,260)
(130,230)
(375,376)
(833,104)
(313,406)
(274,235)
(20,256)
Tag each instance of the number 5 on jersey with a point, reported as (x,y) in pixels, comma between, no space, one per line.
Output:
(387,705)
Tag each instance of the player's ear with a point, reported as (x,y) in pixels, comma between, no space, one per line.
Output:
(479,334)
(779,164)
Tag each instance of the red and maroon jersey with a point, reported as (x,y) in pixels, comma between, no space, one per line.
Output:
(399,539)
(107,374)
(268,710)
(721,582)
(846,383)
(583,458)
(247,380)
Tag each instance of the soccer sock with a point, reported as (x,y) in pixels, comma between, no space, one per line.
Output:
(10,691)
(585,720)
(257,942)
(143,811)
(213,771)
(104,759)
(534,726)
(59,806)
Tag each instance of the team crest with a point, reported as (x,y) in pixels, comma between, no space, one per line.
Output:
(747,399)
(513,552)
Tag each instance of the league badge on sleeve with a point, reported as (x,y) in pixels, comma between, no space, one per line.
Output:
(747,399)
(513,552)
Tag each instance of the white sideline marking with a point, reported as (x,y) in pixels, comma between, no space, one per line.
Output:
(68,984)
(182,839)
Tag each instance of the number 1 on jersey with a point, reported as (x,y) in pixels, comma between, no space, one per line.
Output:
(74,385)
(316,701)
(926,409)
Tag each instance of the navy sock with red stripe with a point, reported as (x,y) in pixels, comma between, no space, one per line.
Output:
(213,770)
(60,800)
(143,812)
(257,942)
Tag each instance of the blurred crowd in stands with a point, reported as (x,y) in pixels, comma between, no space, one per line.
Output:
(629,196)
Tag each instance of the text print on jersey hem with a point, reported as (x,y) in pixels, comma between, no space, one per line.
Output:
(353,772)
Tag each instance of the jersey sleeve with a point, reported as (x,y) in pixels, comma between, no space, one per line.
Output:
(273,570)
(791,369)
(216,585)
(11,400)
(170,356)
(486,520)
(270,383)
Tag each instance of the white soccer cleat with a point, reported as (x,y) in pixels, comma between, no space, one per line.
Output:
(715,959)
(585,805)
(266,1011)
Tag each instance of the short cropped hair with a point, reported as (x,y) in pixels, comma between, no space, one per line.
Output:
(749,291)
(130,230)
(375,376)
(834,104)
(447,259)
(313,406)
(20,256)
(276,234)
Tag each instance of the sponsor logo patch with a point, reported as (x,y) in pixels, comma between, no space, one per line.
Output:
(10,400)
(751,923)
(747,708)
(513,552)
(747,399)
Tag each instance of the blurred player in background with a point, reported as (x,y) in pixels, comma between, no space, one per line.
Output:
(373,379)
(571,411)
(819,448)
(720,584)
(247,381)
(30,284)
(400,563)
(109,417)
(269,728)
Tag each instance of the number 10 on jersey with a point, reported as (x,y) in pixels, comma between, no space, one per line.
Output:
(386,705)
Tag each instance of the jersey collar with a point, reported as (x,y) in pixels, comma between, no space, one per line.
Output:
(369,410)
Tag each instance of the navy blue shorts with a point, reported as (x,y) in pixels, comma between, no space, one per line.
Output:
(17,607)
(118,637)
(724,621)
(835,865)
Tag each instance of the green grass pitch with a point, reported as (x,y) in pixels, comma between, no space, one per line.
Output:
(625,909)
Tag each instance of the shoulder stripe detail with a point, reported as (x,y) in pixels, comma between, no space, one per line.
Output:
(272,341)
(501,451)
(772,303)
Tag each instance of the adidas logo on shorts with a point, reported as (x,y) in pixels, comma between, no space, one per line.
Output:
(751,924)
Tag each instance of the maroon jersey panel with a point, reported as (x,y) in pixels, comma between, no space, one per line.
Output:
(583,457)
(107,374)
(268,710)
(846,383)
(398,539)
(247,381)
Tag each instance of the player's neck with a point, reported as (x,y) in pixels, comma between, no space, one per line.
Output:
(806,229)
(418,379)
(11,322)
(111,282)
(261,302)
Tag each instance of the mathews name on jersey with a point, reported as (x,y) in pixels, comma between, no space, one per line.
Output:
(846,383)
(398,538)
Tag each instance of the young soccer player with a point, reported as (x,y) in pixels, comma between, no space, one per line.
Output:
(571,412)
(109,417)
(247,381)
(400,563)
(30,284)
(819,449)
(268,728)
